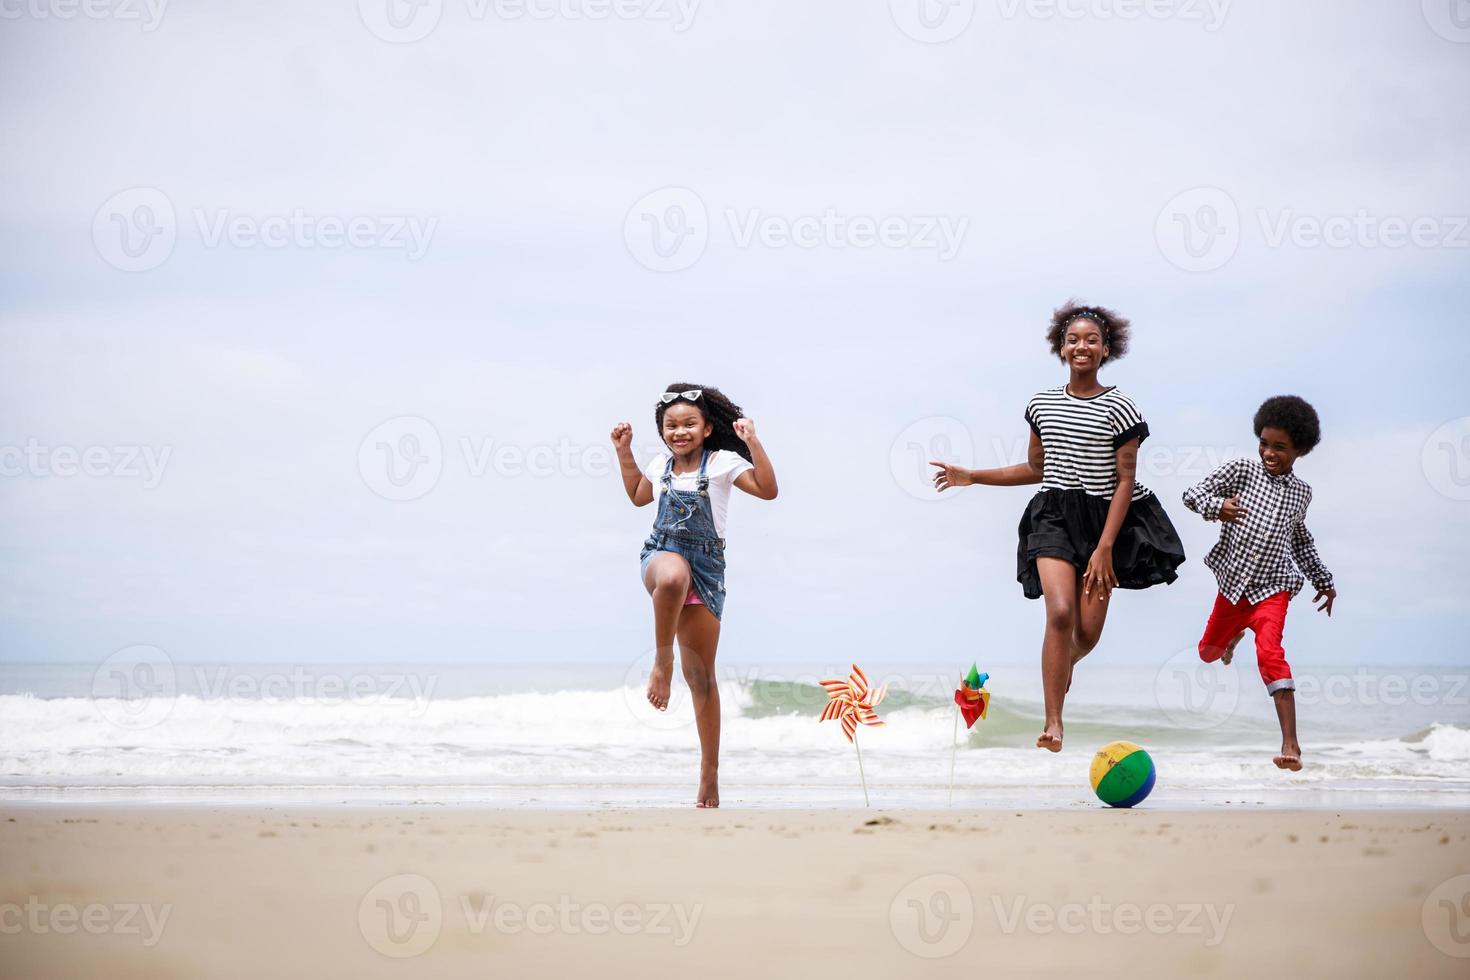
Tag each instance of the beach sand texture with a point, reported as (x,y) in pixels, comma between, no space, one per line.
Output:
(363,892)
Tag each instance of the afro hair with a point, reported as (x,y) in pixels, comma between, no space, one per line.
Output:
(1114,328)
(1294,416)
(718,410)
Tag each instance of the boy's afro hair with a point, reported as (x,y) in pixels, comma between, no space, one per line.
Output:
(1114,327)
(1293,415)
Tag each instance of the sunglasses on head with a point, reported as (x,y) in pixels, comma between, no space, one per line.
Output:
(692,395)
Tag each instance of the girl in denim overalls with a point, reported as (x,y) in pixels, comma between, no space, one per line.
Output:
(711,447)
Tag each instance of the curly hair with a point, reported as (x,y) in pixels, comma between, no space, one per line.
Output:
(718,410)
(1295,416)
(1114,328)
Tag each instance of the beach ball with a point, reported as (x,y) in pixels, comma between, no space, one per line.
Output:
(1122,774)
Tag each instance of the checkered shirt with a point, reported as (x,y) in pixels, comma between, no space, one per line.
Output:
(1268,550)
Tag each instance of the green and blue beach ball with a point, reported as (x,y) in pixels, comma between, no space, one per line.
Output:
(1122,774)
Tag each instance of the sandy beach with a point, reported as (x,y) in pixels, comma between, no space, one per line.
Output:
(251,891)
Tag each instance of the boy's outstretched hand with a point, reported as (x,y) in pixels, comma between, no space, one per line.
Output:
(1326,607)
(950,475)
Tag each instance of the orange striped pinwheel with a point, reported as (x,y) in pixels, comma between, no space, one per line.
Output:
(852,702)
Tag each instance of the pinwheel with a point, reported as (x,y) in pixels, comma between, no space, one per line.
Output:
(972,701)
(972,697)
(853,702)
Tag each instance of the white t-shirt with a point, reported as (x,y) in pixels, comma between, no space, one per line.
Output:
(723,467)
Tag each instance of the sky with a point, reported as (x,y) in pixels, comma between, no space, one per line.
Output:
(316,317)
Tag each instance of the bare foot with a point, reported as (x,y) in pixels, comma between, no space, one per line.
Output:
(660,679)
(1290,757)
(1230,650)
(1051,739)
(709,791)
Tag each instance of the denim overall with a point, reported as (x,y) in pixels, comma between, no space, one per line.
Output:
(685,525)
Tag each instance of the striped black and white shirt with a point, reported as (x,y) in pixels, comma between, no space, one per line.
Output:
(1266,551)
(1081,437)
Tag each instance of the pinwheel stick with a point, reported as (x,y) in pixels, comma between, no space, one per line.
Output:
(861,776)
(954,742)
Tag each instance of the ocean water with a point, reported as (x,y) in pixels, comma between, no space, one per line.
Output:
(141,728)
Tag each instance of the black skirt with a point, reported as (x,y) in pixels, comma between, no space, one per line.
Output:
(1067,524)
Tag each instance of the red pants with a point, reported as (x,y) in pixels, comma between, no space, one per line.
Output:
(1266,619)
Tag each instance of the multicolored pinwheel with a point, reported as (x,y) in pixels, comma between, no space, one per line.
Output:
(972,697)
(852,702)
(973,701)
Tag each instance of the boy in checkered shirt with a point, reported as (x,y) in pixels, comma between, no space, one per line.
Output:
(1263,552)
